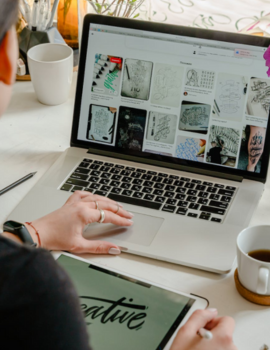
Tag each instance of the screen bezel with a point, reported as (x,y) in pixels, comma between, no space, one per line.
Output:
(198,303)
(151,158)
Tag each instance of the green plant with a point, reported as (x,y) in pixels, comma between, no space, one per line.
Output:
(116,8)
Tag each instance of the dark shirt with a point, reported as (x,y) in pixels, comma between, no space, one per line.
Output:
(214,153)
(39,308)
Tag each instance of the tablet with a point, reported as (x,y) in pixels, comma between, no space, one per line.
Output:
(122,312)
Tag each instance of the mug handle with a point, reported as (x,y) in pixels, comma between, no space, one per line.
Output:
(262,280)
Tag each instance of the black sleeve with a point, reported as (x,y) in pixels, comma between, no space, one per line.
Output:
(39,306)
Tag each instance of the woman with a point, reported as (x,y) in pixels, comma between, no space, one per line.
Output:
(39,307)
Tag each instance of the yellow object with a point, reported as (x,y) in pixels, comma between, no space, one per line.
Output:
(201,151)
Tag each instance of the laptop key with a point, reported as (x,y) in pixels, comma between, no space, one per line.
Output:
(192,215)
(84,165)
(125,186)
(105,188)
(89,190)
(95,173)
(160,199)
(192,192)
(216,220)
(94,186)
(127,179)
(149,197)
(137,181)
(194,206)
(185,179)
(151,172)
(146,177)
(93,179)
(99,162)
(147,190)
(218,186)
(115,183)
(159,186)
(203,194)
(115,171)
(175,177)
(77,182)
(88,160)
(189,185)
(226,193)
(181,211)
(125,172)
(135,201)
(158,192)
(196,181)
(180,196)
(118,166)
(182,204)
(116,190)
(226,199)
(109,164)
(116,177)
(136,175)
(169,188)
(157,178)
(136,188)
(171,201)
(204,216)
(191,199)
(218,204)
(77,188)
(202,201)
(137,195)
(178,183)
(162,174)
(181,190)
(104,181)
(130,168)
(66,187)
(212,210)
(105,175)
(207,183)
(200,187)
(211,190)
(168,208)
(142,171)
(231,188)
(169,194)
(94,166)
(79,176)
(101,193)
(105,168)
(148,183)
(168,181)
(82,171)
(127,193)
(215,197)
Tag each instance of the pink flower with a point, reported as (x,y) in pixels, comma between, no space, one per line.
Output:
(266,56)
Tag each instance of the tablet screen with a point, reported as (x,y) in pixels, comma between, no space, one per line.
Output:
(123,313)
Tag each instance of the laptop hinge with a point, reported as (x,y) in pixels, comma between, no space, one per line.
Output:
(167,165)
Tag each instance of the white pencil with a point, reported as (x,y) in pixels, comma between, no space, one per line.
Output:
(55,5)
(205,334)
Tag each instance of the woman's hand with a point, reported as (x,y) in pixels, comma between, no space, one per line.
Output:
(221,327)
(63,228)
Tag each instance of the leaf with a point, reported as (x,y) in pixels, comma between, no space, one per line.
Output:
(136,15)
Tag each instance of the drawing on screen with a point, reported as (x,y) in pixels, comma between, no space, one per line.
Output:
(200,78)
(161,127)
(259,97)
(101,124)
(194,117)
(223,145)
(190,148)
(230,97)
(106,74)
(167,84)
(137,79)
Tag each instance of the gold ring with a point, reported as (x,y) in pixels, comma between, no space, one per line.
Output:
(102,216)
(97,205)
(118,208)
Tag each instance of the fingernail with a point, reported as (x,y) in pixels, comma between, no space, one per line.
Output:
(114,251)
(131,221)
(120,205)
(212,309)
(131,214)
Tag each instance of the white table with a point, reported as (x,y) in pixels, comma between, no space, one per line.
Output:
(33,135)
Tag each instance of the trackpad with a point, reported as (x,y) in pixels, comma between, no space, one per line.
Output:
(142,232)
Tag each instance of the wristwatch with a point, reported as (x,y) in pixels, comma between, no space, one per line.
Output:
(19,230)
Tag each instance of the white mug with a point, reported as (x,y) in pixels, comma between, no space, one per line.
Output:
(253,274)
(51,68)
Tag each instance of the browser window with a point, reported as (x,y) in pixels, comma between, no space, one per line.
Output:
(179,97)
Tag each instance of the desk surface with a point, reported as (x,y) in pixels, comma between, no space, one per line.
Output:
(33,136)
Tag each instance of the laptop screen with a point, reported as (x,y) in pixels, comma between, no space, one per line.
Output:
(178,99)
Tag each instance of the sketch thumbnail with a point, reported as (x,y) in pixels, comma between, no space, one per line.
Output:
(101,124)
(230,97)
(194,117)
(259,97)
(252,147)
(137,79)
(223,146)
(107,74)
(200,78)
(130,130)
(190,148)
(161,127)
(167,83)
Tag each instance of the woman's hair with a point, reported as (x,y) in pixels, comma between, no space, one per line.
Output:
(8,15)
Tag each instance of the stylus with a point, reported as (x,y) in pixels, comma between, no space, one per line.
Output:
(14,184)
(204,333)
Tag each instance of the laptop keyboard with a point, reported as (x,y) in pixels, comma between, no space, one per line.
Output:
(160,191)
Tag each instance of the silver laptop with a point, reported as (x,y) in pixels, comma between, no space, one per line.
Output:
(173,122)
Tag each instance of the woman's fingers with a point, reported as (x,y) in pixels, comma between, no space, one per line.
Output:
(96,247)
(111,206)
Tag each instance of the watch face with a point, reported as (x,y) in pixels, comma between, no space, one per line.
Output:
(13,224)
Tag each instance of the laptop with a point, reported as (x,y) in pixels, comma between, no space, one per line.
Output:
(172,122)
